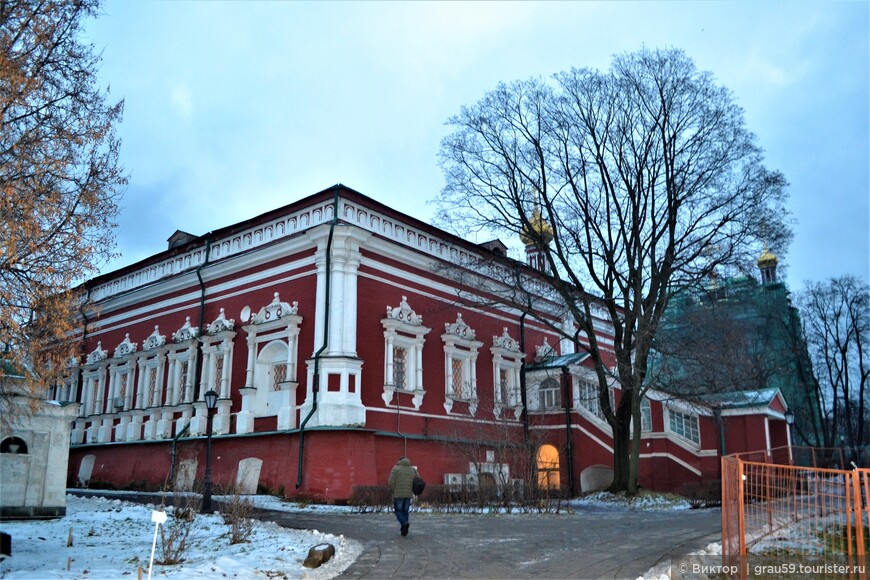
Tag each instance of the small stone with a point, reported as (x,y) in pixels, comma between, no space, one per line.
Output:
(319,555)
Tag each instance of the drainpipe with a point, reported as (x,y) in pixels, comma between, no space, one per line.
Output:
(315,386)
(84,345)
(566,381)
(197,375)
(523,397)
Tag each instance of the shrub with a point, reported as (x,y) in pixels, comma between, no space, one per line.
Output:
(370,498)
(702,493)
(238,515)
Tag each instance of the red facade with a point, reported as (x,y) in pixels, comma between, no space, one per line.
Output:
(344,289)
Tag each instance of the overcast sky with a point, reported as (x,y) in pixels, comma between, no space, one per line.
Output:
(233,109)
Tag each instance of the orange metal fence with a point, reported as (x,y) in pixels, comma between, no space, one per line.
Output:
(798,503)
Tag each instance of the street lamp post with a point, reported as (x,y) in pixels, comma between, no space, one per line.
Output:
(789,421)
(211,398)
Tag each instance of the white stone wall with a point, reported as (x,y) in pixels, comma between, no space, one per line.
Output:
(34,482)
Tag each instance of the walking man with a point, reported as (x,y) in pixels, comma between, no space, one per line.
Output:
(401,485)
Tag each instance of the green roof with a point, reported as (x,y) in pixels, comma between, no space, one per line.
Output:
(557,362)
(740,399)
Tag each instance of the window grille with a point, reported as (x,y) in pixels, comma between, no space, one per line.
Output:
(152,386)
(279,375)
(503,385)
(218,373)
(456,381)
(400,367)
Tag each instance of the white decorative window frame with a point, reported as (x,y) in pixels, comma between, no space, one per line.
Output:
(507,357)
(94,376)
(66,387)
(403,329)
(122,375)
(152,363)
(274,327)
(217,344)
(460,345)
(182,356)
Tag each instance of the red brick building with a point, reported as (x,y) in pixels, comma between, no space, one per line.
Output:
(340,291)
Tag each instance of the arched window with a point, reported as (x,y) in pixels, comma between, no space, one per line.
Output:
(13,445)
(271,374)
(548,467)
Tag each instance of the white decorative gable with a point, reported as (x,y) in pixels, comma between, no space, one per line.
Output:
(125,347)
(459,328)
(274,311)
(404,313)
(98,354)
(221,324)
(505,342)
(545,350)
(185,333)
(155,340)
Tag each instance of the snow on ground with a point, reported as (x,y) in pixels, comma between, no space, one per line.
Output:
(111,538)
(662,571)
(643,501)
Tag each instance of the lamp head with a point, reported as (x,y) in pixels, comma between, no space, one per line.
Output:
(211,398)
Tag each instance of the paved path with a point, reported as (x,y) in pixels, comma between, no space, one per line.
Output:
(591,543)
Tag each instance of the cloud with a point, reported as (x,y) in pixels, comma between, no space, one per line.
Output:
(182,101)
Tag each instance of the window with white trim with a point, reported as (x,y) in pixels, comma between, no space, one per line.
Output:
(645,415)
(684,424)
(460,364)
(506,363)
(550,395)
(273,360)
(588,397)
(217,356)
(404,336)
(182,362)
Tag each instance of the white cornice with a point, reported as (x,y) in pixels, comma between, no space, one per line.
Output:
(256,236)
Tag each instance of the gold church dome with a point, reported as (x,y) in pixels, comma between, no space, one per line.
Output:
(537,229)
(767,259)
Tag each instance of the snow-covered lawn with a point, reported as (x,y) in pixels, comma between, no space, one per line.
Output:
(643,501)
(111,538)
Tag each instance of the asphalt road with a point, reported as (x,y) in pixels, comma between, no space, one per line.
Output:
(593,542)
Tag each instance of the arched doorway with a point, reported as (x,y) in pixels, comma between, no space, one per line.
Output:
(548,467)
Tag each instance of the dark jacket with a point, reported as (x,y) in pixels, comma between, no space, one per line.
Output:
(402,479)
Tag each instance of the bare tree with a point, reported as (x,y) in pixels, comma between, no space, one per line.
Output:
(647,180)
(836,315)
(59,177)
